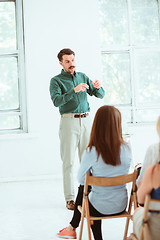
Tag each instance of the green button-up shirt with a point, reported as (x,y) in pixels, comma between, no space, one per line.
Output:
(63,94)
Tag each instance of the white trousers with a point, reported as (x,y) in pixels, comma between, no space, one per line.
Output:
(73,133)
(153,224)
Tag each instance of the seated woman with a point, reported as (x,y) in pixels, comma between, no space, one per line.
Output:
(152,155)
(150,184)
(107,155)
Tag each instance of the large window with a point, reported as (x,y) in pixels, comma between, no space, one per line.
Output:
(130,47)
(12,83)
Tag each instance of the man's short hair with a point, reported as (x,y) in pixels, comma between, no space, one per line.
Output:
(65,51)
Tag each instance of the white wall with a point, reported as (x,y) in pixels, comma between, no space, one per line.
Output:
(49,26)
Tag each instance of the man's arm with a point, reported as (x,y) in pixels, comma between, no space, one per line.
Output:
(95,88)
(57,97)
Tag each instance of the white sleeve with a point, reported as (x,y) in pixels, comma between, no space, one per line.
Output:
(148,160)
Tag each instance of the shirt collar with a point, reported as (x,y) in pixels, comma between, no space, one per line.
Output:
(67,74)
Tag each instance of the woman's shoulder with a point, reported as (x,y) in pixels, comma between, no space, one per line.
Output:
(152,154)
(90,150)
(126,147)
(90,153)
(153,169)
(153,148)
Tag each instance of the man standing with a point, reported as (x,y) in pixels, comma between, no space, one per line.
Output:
(68,91)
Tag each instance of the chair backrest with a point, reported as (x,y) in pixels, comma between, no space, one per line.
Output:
(154,205)
(110,181)
(107,182)
(149,205)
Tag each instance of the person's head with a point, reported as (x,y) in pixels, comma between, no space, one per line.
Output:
(67,60)
(106,134)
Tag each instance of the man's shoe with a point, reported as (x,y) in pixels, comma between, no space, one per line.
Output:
(67,234)
(70,205)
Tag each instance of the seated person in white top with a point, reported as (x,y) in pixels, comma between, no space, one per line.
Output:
(107,155)
(150,184)
(152,155)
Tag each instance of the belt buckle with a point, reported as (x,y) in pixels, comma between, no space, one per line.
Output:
(82,115)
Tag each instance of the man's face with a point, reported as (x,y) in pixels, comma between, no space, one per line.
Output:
(68,63)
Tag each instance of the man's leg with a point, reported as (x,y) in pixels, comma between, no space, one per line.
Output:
(68,133)
(85,129)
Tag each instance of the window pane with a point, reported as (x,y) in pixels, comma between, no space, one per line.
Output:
(145,22)
(147,115)
(147,66)
(126,118)
(9,122)
(8,83)
(116,78)
(7,26)
(113,18)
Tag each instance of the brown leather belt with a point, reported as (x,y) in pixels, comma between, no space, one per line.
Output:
(75,115)
(83,115)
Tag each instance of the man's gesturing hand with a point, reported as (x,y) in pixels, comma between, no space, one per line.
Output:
(81,87)
(96,84)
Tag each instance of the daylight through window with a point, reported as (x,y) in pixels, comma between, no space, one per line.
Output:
(12,84)
(130,48)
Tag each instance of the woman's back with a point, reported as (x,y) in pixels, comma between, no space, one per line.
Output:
(155,194)
(151,157)
(104,199)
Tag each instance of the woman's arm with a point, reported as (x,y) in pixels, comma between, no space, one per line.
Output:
(87,162)
(146,163)
(145,186)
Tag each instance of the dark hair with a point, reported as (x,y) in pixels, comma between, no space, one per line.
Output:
(106,134)
(65,51)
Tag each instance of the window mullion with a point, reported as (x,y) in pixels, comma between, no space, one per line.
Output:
(131,53)
(21,70)
(159,15)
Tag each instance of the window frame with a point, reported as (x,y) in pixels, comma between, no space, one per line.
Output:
(20,54)
(130,49)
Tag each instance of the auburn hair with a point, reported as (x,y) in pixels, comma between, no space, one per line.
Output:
(106,134)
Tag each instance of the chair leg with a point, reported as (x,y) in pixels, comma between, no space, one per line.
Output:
(146,232)
(82,221)
(133,236)
(126,229)
(81,228)
(88,220)
(141,234)
(89,230)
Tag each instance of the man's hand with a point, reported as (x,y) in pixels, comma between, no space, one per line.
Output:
(81,87)
(96,84)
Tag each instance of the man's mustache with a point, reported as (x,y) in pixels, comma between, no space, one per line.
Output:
(71,67)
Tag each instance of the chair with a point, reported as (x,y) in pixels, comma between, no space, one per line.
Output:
(149,204)
(107,181)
